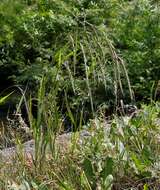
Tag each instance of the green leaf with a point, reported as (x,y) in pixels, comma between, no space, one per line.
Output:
(3,99)
(88,169)
(145,187)
(138,163)
(108,168)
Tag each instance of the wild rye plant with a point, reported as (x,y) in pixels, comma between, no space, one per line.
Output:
(83,72)
(46,28)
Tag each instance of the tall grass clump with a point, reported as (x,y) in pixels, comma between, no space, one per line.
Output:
(74,36)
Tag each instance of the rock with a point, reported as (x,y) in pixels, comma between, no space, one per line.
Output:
(8,154)
(28,148)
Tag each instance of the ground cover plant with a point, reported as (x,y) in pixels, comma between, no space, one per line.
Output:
(76,65)
(121,155)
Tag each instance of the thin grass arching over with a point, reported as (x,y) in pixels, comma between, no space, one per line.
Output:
(81,66)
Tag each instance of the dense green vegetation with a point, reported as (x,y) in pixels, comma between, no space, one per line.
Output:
(81,61)
(93,41)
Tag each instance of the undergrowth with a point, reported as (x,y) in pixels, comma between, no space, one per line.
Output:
(122,154)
